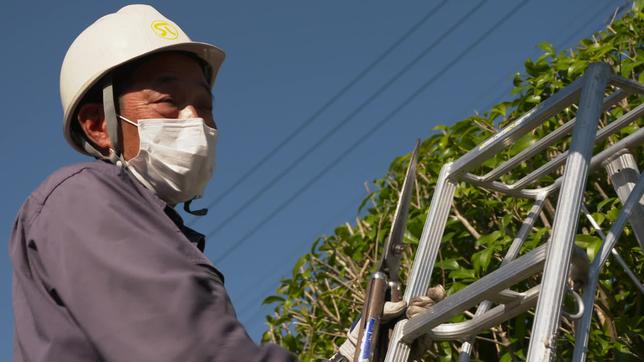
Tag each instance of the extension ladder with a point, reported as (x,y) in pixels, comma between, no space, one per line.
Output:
(496,301)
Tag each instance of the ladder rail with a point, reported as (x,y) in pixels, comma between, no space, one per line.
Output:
(547,141)
(613,251)
(583,325)
(515,130)
(622,171)
(542,345)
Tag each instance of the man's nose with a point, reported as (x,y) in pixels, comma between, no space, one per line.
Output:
(188,111)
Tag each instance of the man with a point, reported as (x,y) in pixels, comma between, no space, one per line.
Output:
(104,268)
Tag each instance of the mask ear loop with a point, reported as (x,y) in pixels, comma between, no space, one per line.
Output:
(198,212)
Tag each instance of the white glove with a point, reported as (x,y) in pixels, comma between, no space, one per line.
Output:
(393,310)
(421,303)
(390,311)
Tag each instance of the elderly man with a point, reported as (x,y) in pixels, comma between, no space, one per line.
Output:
(104,268)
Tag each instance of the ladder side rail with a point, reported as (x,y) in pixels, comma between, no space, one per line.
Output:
(602,135)
(511,254)
(631,141)
(583,325)
(546,322)
(425,258)
(547,140)
(613,251)
(627,84)
(522,125)
(623,173)
(397,351)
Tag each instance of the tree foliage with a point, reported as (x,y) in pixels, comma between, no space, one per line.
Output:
(317,304)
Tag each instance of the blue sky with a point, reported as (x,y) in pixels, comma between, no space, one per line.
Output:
(286,60)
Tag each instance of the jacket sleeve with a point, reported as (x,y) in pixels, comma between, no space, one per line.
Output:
(136,287)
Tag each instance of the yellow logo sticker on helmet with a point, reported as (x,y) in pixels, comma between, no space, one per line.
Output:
(164,29)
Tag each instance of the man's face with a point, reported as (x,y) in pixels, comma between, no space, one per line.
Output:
(165,85)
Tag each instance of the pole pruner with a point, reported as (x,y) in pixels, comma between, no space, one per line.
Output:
(387,274)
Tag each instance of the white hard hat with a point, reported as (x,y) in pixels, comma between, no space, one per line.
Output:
(115,39)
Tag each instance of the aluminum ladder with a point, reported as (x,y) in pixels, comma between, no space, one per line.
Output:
(496,302)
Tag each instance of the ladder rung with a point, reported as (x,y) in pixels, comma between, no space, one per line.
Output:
(483,289)
(493,317)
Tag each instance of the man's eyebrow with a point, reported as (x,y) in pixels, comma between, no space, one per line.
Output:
(164,79)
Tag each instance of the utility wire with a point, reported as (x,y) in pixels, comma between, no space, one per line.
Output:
(371,131)
(323,108)
(560,45)
(268,278)
(345,121)
(252,302)
(590,20)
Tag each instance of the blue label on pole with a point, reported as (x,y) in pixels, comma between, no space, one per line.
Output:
(365,345)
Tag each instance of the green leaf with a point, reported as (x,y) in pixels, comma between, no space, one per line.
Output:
(448,264)
(481,260)
(576,68)
(589,242)
(272,299)
(533,99)
(489,239)
(299,263)
(466,274)
(547,47)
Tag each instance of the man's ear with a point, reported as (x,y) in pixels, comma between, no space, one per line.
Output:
(92,121)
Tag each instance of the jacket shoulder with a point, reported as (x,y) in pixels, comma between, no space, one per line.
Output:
(67,182)
(69,177)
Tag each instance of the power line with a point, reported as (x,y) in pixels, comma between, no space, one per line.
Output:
(268,277)
(324,107)
(371,131)
(590,20)
(253,302)
(559,45)
(341,124)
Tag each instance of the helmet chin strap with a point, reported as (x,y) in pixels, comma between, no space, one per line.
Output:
(198,212)
(113,130)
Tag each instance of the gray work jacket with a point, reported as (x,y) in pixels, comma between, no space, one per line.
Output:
(106,271)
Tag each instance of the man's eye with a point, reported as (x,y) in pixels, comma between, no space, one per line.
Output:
(166,100)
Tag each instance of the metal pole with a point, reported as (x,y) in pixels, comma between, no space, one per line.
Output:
(613,251)
(622,171)
(546,323)
(583,326)
(425,258)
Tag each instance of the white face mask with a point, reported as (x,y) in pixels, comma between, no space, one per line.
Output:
(176,157)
